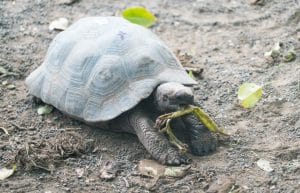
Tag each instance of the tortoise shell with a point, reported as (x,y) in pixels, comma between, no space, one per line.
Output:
(101,67)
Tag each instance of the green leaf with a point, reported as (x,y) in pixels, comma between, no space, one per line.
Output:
(207,121)
(44,110)
(289,57)
(191,74)
(140,16)
(249,94)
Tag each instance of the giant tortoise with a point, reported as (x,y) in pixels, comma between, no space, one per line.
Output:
(105,68)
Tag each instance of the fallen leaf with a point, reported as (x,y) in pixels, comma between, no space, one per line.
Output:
(5,173)
(264,165)
(176,171)
(289,57)
(44,110)
(151,168)
(59,24)
(140,16)
(249,94)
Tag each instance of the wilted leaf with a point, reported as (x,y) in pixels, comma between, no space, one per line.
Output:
(151,168)
(5,173)
(249,94)
(176,171)
(44,110)
(140,16)
(289,57)
(264,165)
(207,121)
(163,124)
(59,24)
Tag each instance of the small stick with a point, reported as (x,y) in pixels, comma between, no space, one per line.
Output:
(4,130)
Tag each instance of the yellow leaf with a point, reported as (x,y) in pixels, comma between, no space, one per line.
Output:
(249,94)
(140,16)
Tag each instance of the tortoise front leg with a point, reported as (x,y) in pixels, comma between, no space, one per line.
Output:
(155,142)
(201,141)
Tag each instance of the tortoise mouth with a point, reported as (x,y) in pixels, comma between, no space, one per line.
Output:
(182,100)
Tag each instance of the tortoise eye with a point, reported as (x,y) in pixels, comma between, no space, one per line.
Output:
(165,97)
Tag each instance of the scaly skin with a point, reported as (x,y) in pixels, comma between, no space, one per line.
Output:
(155,143)
(139,122)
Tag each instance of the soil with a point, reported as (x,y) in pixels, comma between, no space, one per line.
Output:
(226,38)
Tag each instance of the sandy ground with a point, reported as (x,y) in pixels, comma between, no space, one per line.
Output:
(226,38)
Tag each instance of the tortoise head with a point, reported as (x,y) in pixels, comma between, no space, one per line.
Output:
(171,96)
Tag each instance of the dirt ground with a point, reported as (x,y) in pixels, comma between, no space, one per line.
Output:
(226,38)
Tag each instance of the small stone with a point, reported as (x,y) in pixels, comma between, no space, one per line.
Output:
(59,24)
(79,172)
(2,70)
(4,83)
(264,165)
(11,87)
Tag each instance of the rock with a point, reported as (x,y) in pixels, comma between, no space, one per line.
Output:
(59,24)
(264,165)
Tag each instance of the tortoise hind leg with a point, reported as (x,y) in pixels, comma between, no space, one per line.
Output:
(155,143)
